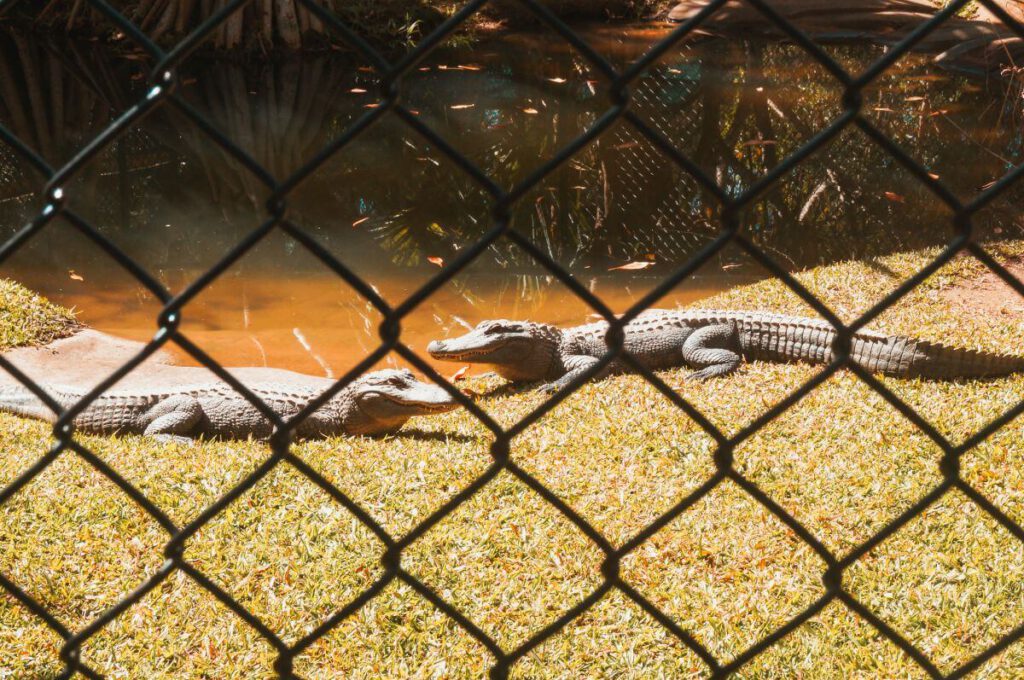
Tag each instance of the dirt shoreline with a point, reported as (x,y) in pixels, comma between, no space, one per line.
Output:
(85,358)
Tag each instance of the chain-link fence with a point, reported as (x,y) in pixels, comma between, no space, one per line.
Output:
(59,202)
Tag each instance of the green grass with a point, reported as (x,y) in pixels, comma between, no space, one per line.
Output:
(842,461)
(29,319)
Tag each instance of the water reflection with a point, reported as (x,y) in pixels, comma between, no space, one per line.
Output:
(390,201)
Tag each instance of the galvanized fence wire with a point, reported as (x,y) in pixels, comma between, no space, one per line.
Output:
(162,93)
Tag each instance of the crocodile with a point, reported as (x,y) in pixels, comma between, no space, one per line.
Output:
(713,342)
(377,403)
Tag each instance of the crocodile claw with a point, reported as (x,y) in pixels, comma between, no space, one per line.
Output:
(548,388)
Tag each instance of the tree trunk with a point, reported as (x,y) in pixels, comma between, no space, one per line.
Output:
(288,24)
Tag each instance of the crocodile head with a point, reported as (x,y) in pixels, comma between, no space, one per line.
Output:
(518,350)
(383,400)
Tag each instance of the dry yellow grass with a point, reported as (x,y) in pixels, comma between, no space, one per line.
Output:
(29,319)
(843,462)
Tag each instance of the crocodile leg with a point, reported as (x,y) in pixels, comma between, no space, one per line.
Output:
(706,349)
(174,418)
(575,366)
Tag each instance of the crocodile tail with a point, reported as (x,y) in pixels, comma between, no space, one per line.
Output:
(910,358)
(19,401)
(935,360)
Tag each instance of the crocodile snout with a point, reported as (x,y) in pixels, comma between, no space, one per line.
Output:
(435,347)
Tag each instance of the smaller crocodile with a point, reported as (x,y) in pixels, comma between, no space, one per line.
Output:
(376,403)
(712,342)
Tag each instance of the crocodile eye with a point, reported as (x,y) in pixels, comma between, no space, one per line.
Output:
(396,381)
(496,328)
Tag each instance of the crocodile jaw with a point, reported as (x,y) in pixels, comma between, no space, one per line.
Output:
(420,399)
(469,347)
(517,350)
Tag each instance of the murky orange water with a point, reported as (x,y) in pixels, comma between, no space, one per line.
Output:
(318,325)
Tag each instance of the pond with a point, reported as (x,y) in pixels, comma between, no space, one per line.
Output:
(392,207)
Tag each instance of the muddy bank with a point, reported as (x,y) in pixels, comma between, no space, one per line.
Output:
(89,356)
(979,42)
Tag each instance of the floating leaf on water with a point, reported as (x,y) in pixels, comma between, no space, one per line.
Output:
(557,80)
(458,107)
(359,221)
(470,67)
(75,276)
(357,90)
(439,261)
(914,99)
(459,374)
(532,112)
(933,175)
(894,197)
(631,266)
(884,109)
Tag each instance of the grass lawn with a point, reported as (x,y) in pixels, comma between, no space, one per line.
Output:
(842,461)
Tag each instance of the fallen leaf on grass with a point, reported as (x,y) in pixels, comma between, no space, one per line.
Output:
(439,261)
(75,276)
(458,107)
(532,112)
(357,90)
(556,80)
(894,197)
(631,266)
(359,221)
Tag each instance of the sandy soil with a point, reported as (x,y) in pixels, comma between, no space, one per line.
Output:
(988,294)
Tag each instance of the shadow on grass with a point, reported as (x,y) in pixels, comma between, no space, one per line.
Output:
(416,433)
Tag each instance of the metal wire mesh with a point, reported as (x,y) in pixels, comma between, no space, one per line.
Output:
(162,93)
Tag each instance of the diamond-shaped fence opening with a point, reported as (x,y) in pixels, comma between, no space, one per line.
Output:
(430,568)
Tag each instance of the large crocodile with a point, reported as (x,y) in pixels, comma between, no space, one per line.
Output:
(713,342)
(377,403)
